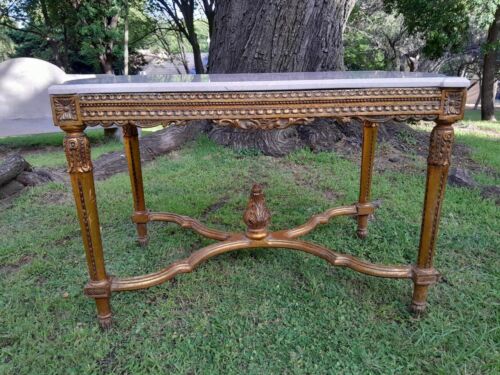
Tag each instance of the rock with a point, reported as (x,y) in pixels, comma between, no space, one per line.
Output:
(10,188)
(33,178)
(11,167)
(23,87)
(394,158)
(491,192)
(461,177)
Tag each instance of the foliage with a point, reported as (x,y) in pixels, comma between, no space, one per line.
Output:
(7,46)
(375,39)
(442,23)
(257,311)
(75,35)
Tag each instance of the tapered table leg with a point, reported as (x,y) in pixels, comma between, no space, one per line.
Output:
(133,154)
(77,149)
(438,162)
(368,154)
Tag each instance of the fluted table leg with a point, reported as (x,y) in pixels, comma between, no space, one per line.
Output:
(438,162)
(368,154)
(133,154)
(77,149)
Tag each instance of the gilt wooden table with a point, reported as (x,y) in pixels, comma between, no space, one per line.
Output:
(256,101)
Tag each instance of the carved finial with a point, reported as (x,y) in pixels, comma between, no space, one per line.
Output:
(257,216)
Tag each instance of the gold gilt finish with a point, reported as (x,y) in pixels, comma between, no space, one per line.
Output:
(255,110)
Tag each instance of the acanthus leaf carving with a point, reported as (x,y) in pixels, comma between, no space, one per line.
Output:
(264,123)
(77,149)
(440,145)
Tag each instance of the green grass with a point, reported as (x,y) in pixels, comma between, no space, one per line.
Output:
(483,138)
(475,116)
(44,150)
(44,140)
(254,311)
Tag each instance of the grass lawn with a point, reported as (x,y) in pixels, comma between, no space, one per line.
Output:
(255,311)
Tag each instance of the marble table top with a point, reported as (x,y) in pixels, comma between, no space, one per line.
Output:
(256,82)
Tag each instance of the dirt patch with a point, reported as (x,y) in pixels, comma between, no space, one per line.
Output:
(107,363)
(56,197)
(491,192)
(333,195)
(14,267)
(28,150)
(214,207)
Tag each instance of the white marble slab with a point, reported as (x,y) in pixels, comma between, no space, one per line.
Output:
(257,82)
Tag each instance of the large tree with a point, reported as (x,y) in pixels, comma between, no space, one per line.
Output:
(277,36)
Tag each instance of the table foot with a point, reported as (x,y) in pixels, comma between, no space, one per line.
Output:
(362,232)
(105,321)
(419,300)
(101,292)
(422,279)
(142,241)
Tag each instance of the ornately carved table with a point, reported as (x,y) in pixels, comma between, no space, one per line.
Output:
(257,101)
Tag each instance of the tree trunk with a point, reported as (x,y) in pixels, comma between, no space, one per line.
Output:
(198,62)
(277,36)
(478,100)
(125,40)
(11,167)
(106,62)
(151,146)
(106,59)
(490,68)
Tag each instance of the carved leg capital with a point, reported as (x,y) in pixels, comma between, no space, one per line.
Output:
(368,154)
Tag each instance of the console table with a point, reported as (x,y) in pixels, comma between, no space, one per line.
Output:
(255,101)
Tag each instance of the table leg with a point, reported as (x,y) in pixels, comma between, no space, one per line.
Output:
(438,162)
(368,154)
(133,154)
(77,149)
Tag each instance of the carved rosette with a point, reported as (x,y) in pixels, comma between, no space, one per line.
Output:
(65,108)
(257,216)
(263,124)
(453,102)
(440,146)
(77,149)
